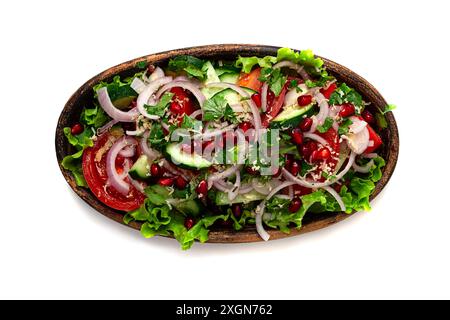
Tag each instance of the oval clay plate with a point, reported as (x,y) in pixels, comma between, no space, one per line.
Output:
(84,95)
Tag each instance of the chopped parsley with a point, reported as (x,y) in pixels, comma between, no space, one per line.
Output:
(327,124)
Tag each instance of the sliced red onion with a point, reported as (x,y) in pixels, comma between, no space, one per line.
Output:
(315,185)
(235,190)
(191,80)
(222,187)
(112,111)
(291,192)
(196,113)
(316,138)
(289,64)
(144,97)
(244,94)
(156,74)
(363,169)
(128,152)
(259,226)
(214,133)
(176,171)
(165,126)
(149,152)
(264,90)
(324,107)
(185,85)
(138,185)
(263,188)
(106,127)
(245,188)
(137,85)
(126,168)
(222,175)
(314,124)
(369,155)
(335,126)
(336,196)
(114,178)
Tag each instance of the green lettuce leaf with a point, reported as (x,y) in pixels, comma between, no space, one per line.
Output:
(73,164)
(94,117)
(247,63)
(191,65)
(304,57)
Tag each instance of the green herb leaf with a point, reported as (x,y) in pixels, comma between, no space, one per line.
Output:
(229,115)
(191,123)
(214,108)
(344,126)
(160,108)
(274,78)
(141,64)
(388,108)
(346,94)
(190,64)
(94,117)
(327,124)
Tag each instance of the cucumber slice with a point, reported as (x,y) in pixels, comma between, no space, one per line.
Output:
(292,95)
(211,77)
(222,198)
(231,96)
(290,116)
(229,77)
(140,169)
(186,160)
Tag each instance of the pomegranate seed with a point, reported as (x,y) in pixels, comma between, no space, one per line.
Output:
(166,182)
(236,209)
(304,100)
(251,171)
(256,97)
(297,136)
(270,97)
(150,69)
(306,124)
(202,188)
(294,168)
(180,183)
(188,223)
(155,170)
(176,108)
(368,116)
(308,148)
(328,91)
(76,129)
(295,205)
(347,110)
(321,154)
(244,126)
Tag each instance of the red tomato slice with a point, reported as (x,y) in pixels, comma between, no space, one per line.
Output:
(274,108)
(373,136)
(250,80)
(96,177)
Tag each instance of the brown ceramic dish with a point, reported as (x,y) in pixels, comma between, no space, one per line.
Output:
(84,95)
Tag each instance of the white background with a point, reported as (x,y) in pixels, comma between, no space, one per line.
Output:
(52,245)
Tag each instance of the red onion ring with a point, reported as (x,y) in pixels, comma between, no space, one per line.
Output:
(113,177)
(363,169)
(137,85)
(149,152)
(112,111)
(128,152)
(315,185)
(145,95)
(314,124)
(264,90)
(156,74)
(196,113)
(358,142)
(336,196)
(357,125)
(185,85)
(316,138)
(369,155)
(324,107)
(222,175)
(245,188)
(289,64)
(210,134)
(138,185)
(106,127)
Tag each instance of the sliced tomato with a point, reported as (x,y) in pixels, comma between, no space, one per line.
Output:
(274,108)
(96,177)
(328,91)
(373,136)
(181,102)
(250,80)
